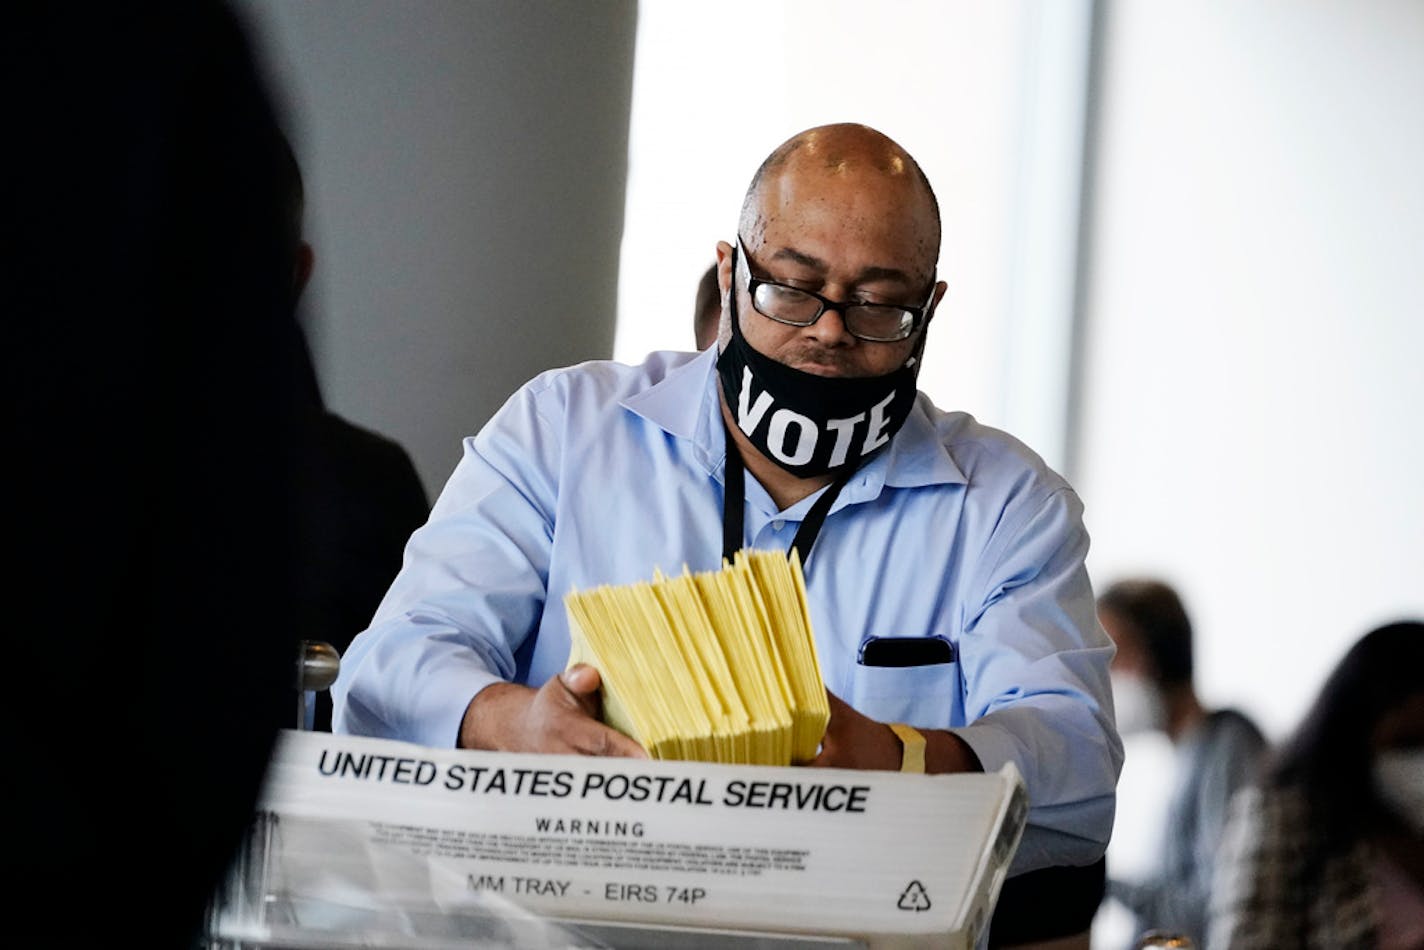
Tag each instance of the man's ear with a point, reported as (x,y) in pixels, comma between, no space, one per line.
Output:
(724,269)
(302,270)
(940,288)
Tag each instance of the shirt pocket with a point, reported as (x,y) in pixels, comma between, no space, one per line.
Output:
(916,695)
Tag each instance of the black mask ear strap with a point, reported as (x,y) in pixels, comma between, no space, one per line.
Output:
(734,496)
(734,499)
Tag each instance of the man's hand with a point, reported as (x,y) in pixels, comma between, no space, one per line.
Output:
(854,741)
(559,717)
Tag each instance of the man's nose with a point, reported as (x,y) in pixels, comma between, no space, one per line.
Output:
(830,327)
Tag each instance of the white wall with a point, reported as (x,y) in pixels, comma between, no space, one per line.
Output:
(465,167)
(1256,322)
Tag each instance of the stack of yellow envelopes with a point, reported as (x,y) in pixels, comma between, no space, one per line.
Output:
(718,666)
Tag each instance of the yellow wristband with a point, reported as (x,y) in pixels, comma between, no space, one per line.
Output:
(913,741)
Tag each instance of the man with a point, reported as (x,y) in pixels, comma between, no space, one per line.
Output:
(359,496)
(802,426)
(1218,751)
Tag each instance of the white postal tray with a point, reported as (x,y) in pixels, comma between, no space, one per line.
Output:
(367,842)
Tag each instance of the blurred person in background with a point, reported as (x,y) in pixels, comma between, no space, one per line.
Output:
(151,366)
(1329,851)
(707,313)
(360,496)
(1217,751)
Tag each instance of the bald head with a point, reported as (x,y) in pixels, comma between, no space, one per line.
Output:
(863,170)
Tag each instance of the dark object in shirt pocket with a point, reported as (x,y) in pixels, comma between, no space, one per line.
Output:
(905,651)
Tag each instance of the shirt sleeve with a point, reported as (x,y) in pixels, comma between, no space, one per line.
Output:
(470,590)
(1035,663)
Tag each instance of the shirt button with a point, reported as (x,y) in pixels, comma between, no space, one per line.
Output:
(778,525)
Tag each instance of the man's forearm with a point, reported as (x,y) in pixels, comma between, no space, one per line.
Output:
(947,752)
(489,710)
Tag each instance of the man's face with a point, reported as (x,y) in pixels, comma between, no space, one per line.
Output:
(849,235)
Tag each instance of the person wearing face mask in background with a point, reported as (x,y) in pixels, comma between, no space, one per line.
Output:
(1217,751)
(1328,852)
(945,562)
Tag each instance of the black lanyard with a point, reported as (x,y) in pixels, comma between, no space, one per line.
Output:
(734,504)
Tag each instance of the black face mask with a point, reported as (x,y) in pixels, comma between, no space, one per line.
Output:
(807,424)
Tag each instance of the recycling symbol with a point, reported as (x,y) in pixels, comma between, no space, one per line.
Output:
(914,898)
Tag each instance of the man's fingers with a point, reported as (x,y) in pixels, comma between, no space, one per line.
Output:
(581,680)
(615,743)
(589,736)
(578,687)
(583,736)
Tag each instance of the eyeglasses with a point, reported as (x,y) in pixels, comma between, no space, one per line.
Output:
(873,322)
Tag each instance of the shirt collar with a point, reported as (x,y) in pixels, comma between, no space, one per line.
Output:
(684,403)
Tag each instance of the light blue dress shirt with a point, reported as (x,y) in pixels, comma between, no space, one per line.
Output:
(602,473)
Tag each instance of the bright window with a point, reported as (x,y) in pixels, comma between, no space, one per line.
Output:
(987,97)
